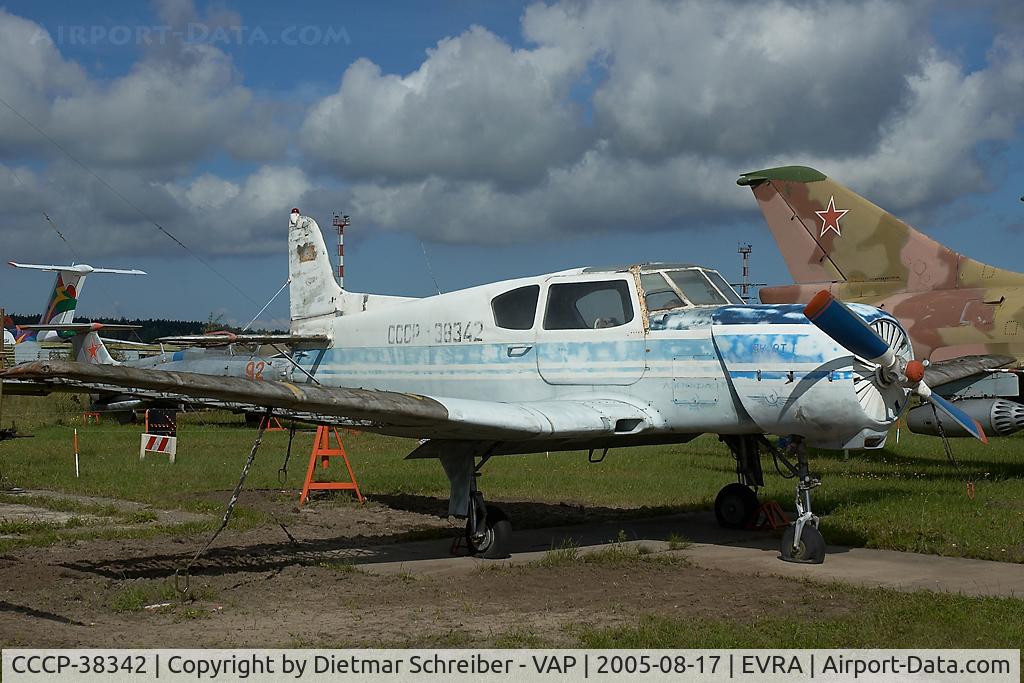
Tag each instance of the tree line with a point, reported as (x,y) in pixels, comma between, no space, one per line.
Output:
(151,329)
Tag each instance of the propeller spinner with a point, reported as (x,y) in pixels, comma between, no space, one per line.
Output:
(835,319)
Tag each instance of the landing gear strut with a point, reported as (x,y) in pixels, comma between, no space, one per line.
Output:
(488,530)
(802,542)
(736,504)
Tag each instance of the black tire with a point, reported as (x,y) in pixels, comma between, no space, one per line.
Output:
(734,506)
(125,417)
(811,549)
(497,536)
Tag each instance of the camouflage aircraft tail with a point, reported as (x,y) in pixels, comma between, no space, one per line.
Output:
(829,234)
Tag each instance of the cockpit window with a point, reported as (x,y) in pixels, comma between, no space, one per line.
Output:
(659,295)
(588,305)
(516,309)
(724,287)
(696,287)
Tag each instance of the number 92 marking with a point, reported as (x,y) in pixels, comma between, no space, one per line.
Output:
(254,369)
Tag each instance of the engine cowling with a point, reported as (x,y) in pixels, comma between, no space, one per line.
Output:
(791,378)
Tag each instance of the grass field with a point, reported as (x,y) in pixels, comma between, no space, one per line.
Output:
(904,497)
(913,620)
(820,616)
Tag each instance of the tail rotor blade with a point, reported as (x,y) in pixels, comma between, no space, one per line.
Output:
(960,417)
(847,328)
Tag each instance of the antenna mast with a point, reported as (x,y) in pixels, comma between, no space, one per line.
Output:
(340,222)
(744,250)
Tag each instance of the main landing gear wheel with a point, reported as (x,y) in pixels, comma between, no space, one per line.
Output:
(810,549)
(735,505)
(492,541)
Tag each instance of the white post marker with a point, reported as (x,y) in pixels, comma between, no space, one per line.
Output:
(76,453)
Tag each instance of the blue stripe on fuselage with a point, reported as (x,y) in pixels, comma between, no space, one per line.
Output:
(789,348)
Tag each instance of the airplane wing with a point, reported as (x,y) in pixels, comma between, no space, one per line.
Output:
(79,268)
(387,412)
(225,338)
(946,371)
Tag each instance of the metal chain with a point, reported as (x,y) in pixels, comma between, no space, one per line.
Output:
(282,473)
(227,512)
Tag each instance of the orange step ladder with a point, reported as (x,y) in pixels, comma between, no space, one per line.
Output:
(271,424)
(323,450)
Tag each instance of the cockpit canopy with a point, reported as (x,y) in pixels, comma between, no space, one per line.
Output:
(596,298)
(668,286)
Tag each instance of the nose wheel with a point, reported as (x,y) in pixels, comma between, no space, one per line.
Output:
(809,549)
(801,541)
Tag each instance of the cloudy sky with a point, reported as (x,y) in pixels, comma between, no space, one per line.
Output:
(500,139)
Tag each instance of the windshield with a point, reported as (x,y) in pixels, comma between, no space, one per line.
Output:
(724,287)
(696,287)
(659,294)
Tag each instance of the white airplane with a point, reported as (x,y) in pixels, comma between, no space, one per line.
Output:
(589,358)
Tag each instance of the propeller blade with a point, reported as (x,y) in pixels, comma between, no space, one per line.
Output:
(960,417)
(848,329)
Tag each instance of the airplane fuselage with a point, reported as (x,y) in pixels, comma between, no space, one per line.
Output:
(227,363)
(726,368)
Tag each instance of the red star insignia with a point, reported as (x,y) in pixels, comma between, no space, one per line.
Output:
(92,350)
(830,217)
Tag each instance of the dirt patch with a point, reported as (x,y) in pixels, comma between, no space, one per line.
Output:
(12,513)
(49,604)
(94,508)
(266,587)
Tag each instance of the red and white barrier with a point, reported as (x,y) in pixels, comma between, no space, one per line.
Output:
(158,443)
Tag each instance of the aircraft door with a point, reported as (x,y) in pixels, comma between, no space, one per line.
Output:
(591,331)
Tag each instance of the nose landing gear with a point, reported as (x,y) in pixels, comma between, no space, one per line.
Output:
(737,503)
(802,542)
